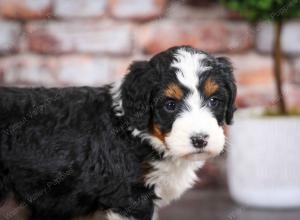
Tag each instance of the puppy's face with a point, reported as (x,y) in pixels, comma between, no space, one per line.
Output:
(183,97)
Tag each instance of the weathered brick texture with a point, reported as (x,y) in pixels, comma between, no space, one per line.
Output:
(180,10)
(10,32)
(92,42)
(290,38)
(255,80)
(57,71)
(256,70)
(28,70)
(79,8)
(26,9)
(82,37)
(296,71)
(292,94)
(137,9)
(84,70)
(224,36)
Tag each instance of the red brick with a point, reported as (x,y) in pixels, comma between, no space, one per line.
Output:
(80,36)
(28,70)
(212,36)
(240,38)
(79,8)
(27,9)
(122,67)
(296,71)
(9,37)
(72,70)
(292,95)
(253,69)
(180,10)
(251,96)
(234,15)
(85,70)
(137,9)
(123,64)
(255,81)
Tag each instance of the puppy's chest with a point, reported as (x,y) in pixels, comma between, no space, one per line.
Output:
(172,179)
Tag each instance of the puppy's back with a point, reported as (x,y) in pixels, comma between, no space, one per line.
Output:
(20,105)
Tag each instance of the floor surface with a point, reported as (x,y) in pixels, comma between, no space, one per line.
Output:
(194,205)
(217,205)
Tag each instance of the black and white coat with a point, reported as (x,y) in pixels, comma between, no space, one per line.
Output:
(123,149)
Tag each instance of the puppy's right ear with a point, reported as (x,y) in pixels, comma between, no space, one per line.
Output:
(136,92)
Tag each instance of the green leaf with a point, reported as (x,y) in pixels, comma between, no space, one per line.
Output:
(265,9)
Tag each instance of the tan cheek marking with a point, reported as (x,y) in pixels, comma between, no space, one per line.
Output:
(155,131)
(210,87)
(173,91)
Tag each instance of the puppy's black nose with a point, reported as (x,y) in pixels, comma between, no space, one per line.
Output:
(199,140)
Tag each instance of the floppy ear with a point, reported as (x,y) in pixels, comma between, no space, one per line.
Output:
(136,92)
(226,69)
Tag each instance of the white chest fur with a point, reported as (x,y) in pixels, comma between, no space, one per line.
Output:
(172,178)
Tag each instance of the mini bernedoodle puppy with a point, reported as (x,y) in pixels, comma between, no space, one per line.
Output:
(124,149)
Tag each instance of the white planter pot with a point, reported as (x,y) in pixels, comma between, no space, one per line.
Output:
(264,161)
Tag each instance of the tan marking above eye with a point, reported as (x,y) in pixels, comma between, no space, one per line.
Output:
(210,87)
(173,91)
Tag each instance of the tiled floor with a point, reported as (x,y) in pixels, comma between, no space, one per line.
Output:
(217,205)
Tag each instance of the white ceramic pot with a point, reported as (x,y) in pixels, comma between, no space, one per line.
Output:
(264,161)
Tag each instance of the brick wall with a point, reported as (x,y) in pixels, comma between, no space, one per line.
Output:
(91,42)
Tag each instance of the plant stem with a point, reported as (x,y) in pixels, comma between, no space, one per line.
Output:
(277,58)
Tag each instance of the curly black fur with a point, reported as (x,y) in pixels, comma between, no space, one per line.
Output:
(66,153)
(62,154)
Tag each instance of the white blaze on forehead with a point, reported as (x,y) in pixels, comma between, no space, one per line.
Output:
(190,65)
(197,118)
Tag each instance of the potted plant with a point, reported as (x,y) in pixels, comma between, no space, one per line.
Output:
(263,154)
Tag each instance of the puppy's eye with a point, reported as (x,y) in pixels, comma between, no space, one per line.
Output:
(213,102)
(170,106)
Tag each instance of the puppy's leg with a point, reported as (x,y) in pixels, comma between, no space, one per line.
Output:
(142,206)
(139,206)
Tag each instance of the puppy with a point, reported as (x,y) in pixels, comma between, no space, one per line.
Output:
(122,149)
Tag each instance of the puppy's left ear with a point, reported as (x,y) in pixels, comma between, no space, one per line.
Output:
(226,70)
(136,93)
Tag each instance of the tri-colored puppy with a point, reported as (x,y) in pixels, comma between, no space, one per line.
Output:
(123,149)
